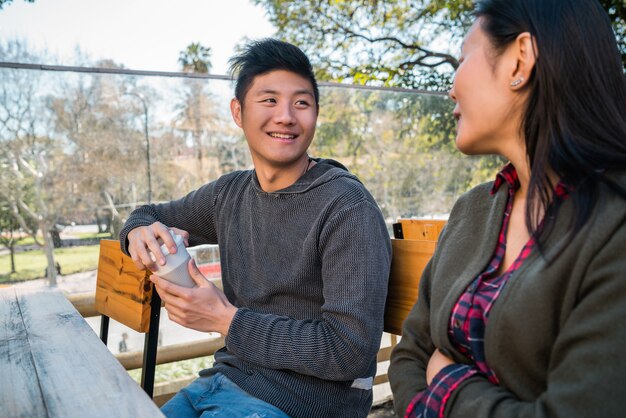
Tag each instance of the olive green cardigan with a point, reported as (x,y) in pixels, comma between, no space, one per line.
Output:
(556,336)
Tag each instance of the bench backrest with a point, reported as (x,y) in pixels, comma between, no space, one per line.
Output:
(409,258)
(123,292)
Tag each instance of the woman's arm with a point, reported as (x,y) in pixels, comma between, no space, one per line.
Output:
(587,361)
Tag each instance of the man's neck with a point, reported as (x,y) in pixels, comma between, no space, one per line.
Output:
(272,178)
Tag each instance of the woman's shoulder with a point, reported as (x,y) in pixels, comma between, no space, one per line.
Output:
(611,198)
(475,211)
(610,209)
(478,200)
(618,177)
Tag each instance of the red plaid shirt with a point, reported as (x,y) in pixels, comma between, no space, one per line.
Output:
(471,313)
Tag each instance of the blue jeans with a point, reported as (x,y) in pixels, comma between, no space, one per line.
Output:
(217,396)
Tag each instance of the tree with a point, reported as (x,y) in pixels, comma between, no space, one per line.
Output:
(616,10)
(391,43)
(7,2)
(102,119)
(29,156)
(8,226)
(400,43)
(195,109)
(196,119)
(401,146)
(195,58)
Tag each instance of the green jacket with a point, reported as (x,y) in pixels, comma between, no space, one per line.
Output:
(556,336)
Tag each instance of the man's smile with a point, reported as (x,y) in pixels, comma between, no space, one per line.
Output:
(285,136)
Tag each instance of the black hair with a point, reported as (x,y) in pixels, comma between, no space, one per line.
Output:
(265,55)
(575,118)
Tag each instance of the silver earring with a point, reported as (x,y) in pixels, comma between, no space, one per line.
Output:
(517,82)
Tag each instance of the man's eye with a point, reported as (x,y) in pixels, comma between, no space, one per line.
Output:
(302,103)
(268,100)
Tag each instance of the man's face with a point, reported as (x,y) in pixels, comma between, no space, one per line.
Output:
(278,118)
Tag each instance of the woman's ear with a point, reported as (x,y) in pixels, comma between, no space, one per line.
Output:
(525,54)
(235,110)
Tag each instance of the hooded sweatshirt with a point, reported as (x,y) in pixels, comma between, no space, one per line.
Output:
(307,267)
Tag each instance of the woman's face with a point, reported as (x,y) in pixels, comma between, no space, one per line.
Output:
(487,110)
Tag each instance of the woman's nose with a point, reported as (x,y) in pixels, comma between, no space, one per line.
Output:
(452,94)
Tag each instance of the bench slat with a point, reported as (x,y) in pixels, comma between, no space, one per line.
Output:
(409,260)
(123,292)
(422,229)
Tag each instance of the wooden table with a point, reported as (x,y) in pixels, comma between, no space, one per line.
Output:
(52,364)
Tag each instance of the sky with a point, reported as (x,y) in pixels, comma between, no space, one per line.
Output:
(140,34)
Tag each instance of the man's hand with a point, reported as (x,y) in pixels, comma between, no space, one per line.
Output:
(145,239)
(437,362)
(203,308)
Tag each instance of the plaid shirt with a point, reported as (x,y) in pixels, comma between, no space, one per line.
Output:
(471,312)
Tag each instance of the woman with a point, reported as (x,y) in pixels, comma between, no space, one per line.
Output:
(522,310)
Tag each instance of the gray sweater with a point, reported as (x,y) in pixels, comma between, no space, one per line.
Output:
(556,335)
(307,266)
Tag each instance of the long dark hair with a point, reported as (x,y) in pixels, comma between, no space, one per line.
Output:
(575,120)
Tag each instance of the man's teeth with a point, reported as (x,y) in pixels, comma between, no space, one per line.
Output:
(281,136)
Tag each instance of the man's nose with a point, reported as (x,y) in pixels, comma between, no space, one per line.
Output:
(284,114)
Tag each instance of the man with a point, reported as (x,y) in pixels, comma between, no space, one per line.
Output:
(122,347)
(305,259)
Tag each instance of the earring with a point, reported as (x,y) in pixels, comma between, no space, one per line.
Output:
(517,82)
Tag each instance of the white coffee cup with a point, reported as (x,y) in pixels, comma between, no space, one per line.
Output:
(176,268)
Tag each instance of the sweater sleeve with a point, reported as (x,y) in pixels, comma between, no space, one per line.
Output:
(431,403)
(356,255)
(588,365)
(193,213)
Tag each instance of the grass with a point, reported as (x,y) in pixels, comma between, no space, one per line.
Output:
(171,371)
(83,235)
(28,240)
(32,264)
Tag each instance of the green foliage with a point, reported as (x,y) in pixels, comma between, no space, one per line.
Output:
(405,43)
(616,10)
(7,2)
(195,58)
(399,43)
(401,146)
(8,223)
(171,371)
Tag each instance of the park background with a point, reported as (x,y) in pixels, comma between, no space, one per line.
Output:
(105,106)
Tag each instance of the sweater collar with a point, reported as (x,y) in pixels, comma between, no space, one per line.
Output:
(323,172)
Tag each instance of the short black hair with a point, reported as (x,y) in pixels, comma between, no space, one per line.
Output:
(265,55)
